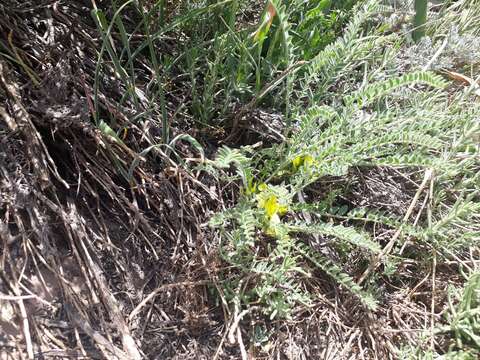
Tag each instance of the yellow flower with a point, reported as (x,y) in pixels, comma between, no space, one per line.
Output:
(297,162)
(272,206)
(302,160)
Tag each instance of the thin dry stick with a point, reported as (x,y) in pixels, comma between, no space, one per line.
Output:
(222,341)
(412,292)
(129,345)
(235,323)
(417,218)
(241,345)
(231,328)
(160,289)
(79,342)
(23,315)
(434,269)
(388,248)
(220,345)
(11,123)
(26,329)
(16,298)
(437,54)
(432,305)
(348,346)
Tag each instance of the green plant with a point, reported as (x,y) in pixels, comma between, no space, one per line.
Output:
(462,323)
(419,19)
(319,23)
(464,319)
(256,63)
(352,213)
(356,111)
(340,145)
(276,239)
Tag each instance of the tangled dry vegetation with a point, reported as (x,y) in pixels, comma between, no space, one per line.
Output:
(102,259)
(84,246)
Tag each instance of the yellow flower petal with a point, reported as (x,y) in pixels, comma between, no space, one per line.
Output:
(262,187)
(308,160)
(297,162)
(271,205)
(282,209)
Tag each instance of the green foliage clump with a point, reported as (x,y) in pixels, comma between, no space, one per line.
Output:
(463,325)
(277,237)
(319,23)
(333,73)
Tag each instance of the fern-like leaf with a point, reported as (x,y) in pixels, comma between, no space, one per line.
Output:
(376,90)
(226,157)
(338,275)
(336,55)
(247,222)
(348,234)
